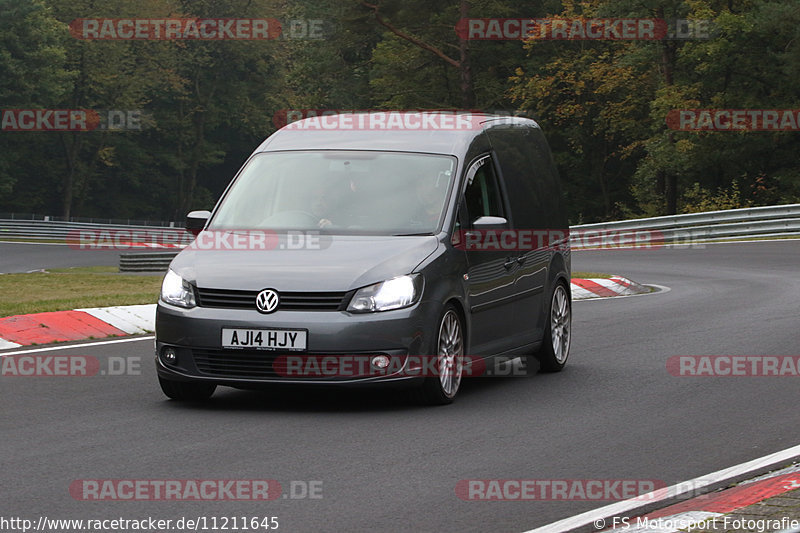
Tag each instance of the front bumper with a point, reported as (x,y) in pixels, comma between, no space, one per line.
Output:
(196,336)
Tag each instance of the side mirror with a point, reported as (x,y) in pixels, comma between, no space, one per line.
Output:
(489,223)
(196,221)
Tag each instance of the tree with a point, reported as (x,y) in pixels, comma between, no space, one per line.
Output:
(462,64)
(32,75)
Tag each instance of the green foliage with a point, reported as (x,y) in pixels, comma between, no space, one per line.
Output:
(33,73)
(32,54)
(696,199)
(602,104)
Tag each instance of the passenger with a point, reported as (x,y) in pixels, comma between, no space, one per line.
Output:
(428,202)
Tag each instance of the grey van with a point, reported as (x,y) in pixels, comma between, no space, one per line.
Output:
(407,255)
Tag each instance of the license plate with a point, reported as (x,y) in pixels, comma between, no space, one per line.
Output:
(265,339)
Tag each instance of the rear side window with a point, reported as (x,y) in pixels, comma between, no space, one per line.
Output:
(529,176)
(482,196)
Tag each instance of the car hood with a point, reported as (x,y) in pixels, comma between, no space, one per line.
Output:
(339,263)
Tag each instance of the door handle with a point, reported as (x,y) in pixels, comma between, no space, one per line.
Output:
(521,259)
(510,262)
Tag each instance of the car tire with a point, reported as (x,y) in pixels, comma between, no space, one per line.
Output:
(554,351)
(187,391)
(449,348)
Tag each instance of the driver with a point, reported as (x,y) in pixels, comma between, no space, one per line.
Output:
(320,208)
(339,206)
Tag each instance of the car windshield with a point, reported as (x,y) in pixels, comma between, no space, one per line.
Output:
(339,192)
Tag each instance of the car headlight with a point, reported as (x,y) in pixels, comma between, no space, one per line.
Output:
(394,293)
(177,291)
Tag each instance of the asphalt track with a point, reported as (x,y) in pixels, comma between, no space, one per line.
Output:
(386,465)
(25,257)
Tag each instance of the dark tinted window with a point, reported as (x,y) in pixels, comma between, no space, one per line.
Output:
(529,177)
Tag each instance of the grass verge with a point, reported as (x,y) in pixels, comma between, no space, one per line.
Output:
(70,288)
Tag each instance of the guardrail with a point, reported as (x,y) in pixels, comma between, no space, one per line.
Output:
(117,236)
(145,261)
(694,228)
(86,220)
(50,230)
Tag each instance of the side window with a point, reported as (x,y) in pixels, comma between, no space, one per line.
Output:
(530,177)
(482,196)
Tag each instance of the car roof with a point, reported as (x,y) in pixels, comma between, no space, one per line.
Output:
(446,132)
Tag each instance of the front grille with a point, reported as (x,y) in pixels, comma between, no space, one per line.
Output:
(236,363)
(253,364)
(289,301)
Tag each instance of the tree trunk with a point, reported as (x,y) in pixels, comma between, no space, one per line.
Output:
(668,51)
(671,192)
(465,67)
(194,162)
(597,157)
(71,146)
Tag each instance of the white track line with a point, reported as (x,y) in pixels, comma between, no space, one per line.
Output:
(628,507)
(70,346)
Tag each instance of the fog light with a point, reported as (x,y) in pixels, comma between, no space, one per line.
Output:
(380,361)
(169,356)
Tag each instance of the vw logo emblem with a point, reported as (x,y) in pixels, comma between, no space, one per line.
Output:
(267,301)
